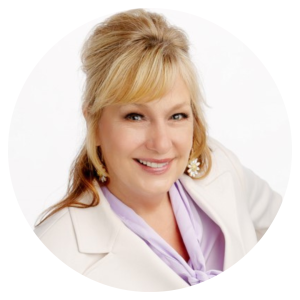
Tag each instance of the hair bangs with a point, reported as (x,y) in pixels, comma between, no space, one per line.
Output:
(153,80)
(139,80)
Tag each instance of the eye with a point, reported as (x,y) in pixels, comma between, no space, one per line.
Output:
(179,116)
(134,117)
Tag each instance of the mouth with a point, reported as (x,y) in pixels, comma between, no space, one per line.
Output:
(152,164)
(160,165)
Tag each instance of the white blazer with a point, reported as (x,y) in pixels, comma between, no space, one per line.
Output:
(95,242)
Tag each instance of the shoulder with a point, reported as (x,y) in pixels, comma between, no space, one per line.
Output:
(224,160)
(255,188)
(58,234)
(219,151)
(58,222)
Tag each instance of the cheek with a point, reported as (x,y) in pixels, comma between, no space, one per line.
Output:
(184,139)
(119,142)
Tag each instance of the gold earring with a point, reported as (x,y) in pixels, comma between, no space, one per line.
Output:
(101,172)
(193,168)
(101,177)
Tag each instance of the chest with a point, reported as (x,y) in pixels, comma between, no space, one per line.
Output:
(168,229)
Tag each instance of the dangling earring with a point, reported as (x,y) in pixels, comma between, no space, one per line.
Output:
(101,172)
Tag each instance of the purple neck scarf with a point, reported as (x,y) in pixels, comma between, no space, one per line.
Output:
(203,239)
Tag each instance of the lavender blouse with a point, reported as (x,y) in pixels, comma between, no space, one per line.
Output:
(203,239)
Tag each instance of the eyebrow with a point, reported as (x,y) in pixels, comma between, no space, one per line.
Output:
(176,106)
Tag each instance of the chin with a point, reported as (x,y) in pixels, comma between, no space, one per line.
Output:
(159,186)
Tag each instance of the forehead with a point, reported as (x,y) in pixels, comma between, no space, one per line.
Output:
(177,96)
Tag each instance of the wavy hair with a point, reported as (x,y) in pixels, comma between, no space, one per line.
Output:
(131,57)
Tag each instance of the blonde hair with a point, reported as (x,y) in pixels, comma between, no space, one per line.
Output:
(131,57)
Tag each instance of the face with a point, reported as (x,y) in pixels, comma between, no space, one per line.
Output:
(146,147)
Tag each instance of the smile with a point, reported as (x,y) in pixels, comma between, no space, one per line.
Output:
(152,164)
(155,166)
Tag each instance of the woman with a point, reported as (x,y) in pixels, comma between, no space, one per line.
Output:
(153,204)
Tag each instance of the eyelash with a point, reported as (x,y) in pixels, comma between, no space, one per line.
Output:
(183,116)
(131,116)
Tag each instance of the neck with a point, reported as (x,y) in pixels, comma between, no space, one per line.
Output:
(143,205)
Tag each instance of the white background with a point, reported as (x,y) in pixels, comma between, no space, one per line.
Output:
(29,29)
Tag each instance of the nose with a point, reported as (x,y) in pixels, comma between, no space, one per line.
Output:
(159,138)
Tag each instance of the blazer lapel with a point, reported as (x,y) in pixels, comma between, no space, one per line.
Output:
(97,227)
(99,230)
(129,263)
(215,195)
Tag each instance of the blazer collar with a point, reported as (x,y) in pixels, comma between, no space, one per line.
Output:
(216,196)
(96,227)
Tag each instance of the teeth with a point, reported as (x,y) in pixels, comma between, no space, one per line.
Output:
(151,164)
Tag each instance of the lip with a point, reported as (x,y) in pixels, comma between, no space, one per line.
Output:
(158,161)
(155,171)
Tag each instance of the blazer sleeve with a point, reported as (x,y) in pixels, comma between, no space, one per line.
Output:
(263,203)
